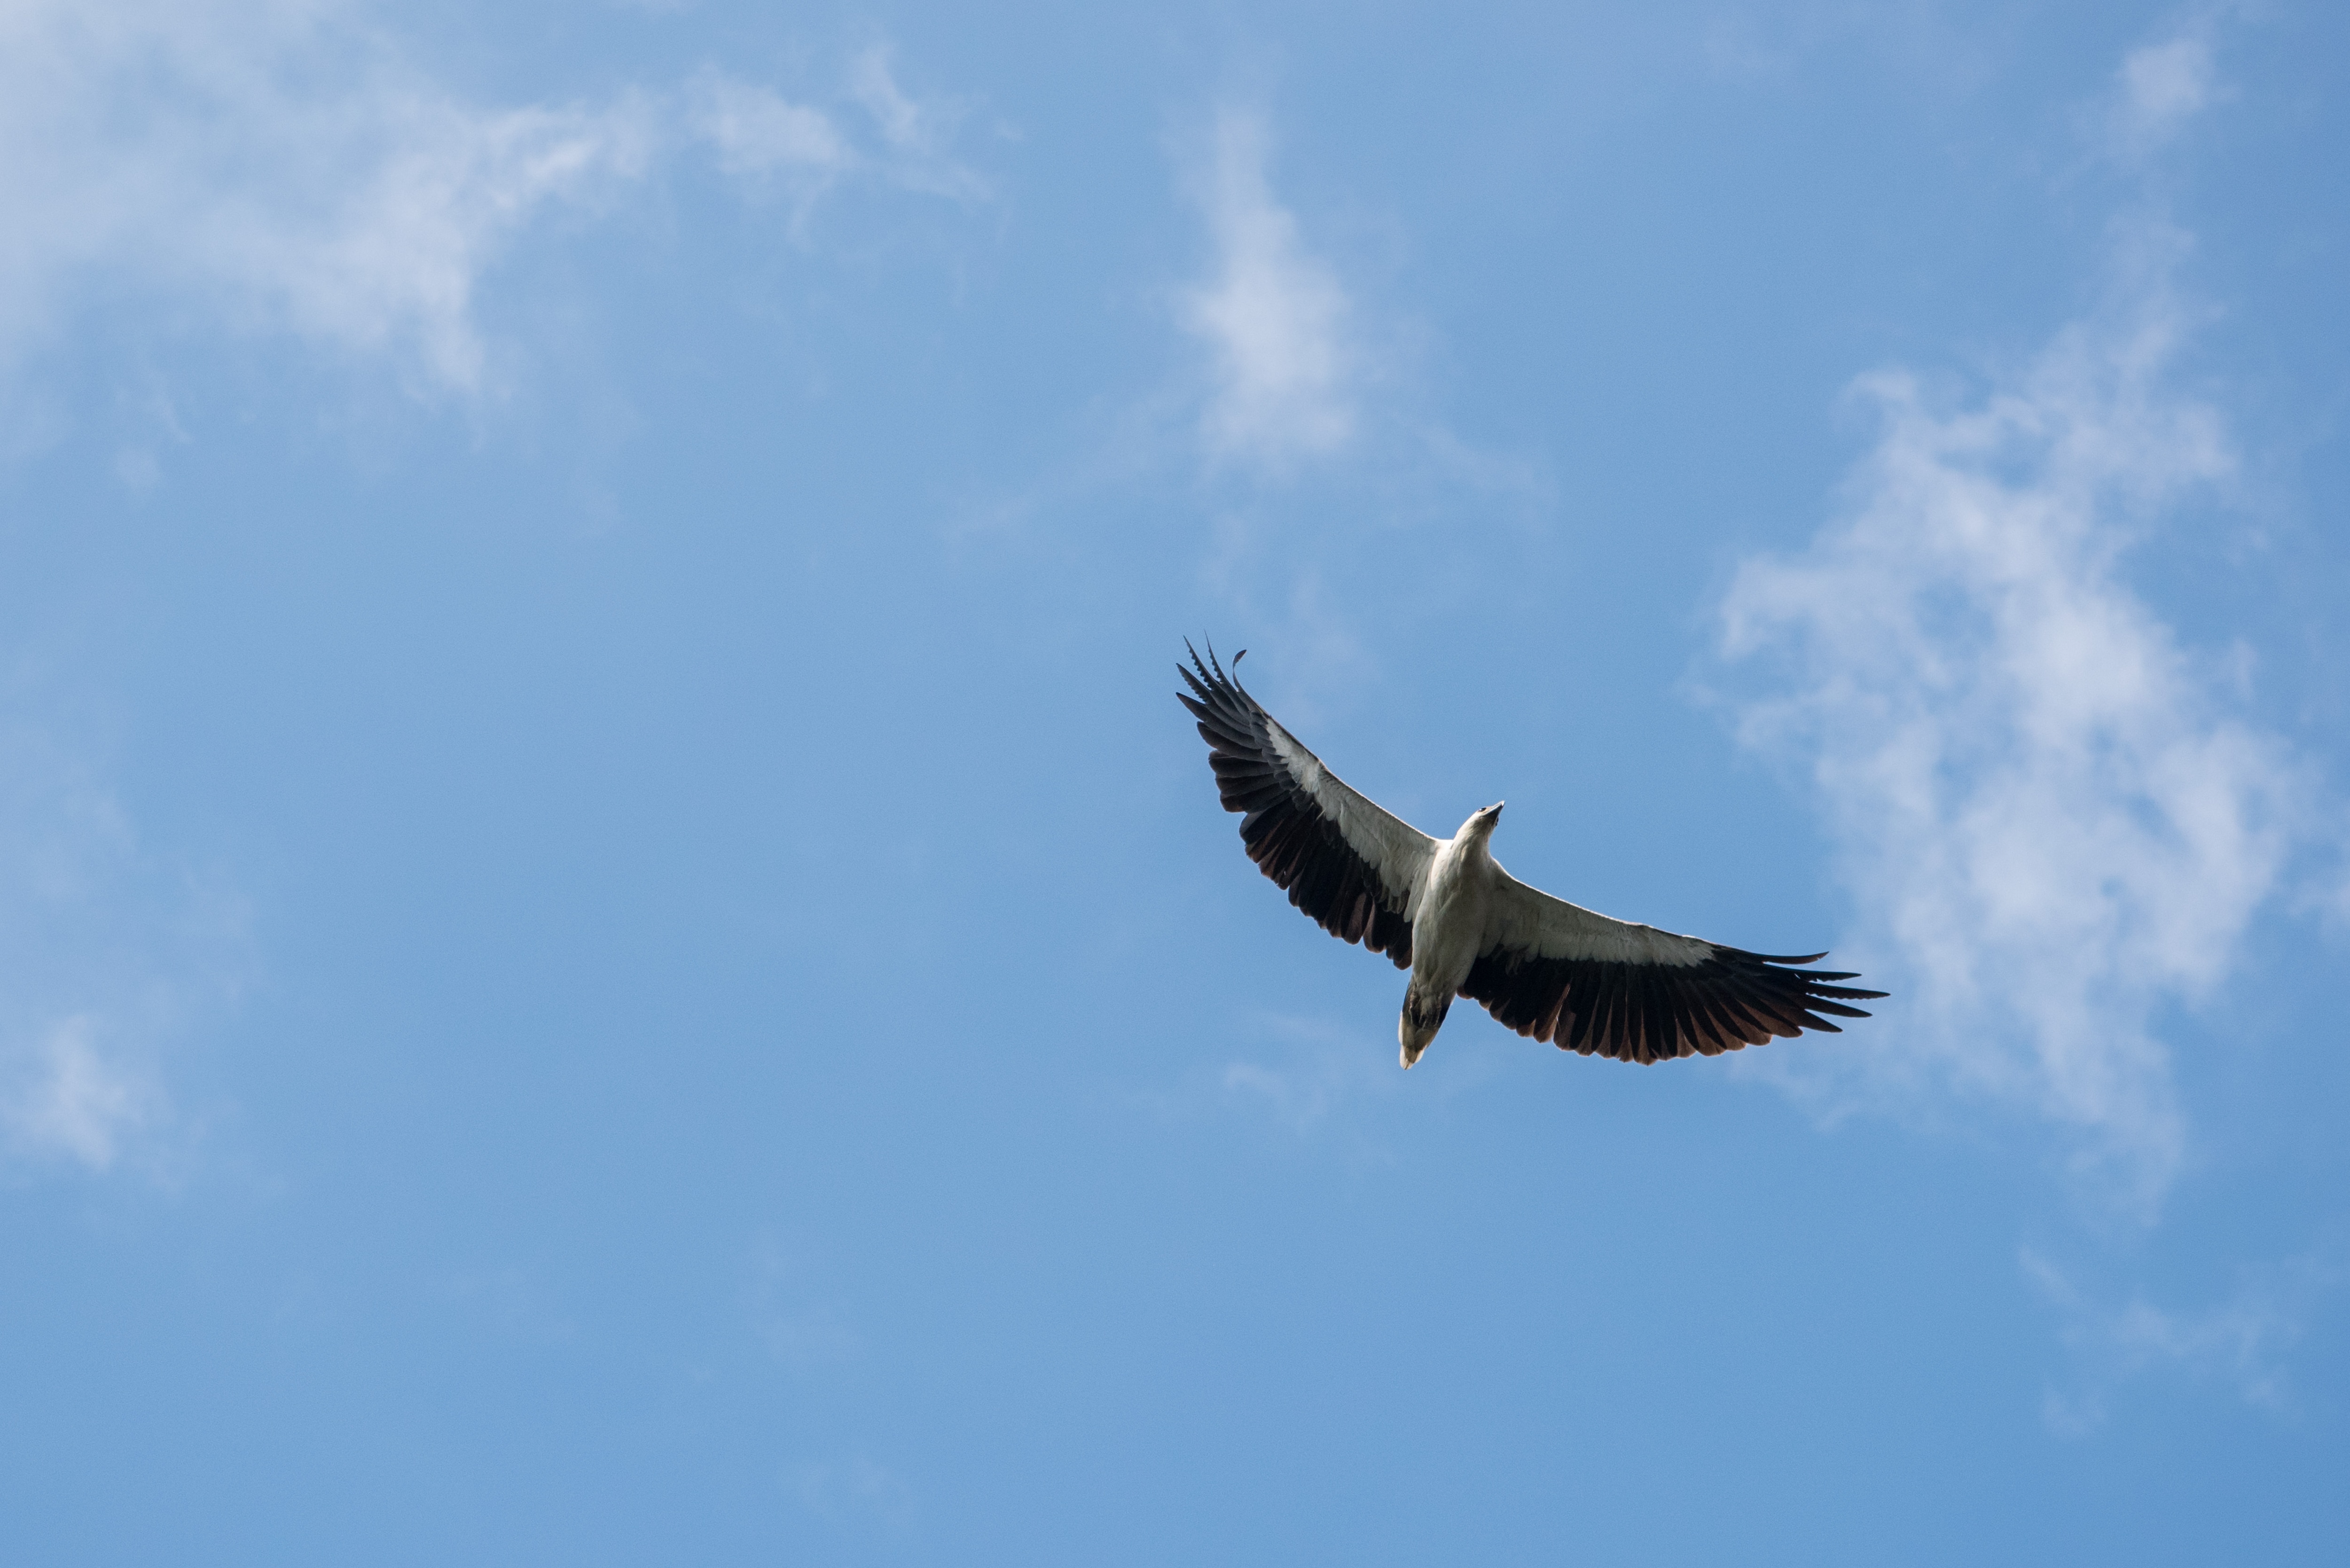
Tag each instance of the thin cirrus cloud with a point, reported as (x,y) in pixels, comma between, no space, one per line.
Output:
(757,131)
(760,136)
(282,168)
(290,170)
(1308,1068)
(63,1099)
(2048,810)
(108,953)
(280,165)
(1272,315)
(2160,88)
(2239,1341)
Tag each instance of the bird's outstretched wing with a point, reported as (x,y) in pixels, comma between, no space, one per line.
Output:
(1350,865)
(1558,972)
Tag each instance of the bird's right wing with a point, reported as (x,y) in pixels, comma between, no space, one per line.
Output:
(1346,862)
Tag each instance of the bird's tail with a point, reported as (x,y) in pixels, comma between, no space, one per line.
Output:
(1422,1016)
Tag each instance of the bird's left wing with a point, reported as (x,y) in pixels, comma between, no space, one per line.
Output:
(1558,972)
(1352,865)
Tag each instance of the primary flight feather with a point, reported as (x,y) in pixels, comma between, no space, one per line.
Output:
(1445,911)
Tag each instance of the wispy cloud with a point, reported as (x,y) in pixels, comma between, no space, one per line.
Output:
(1325,1084)
(2053,819)
(803,1329)
(1306,1072)
(757,131)
(766,139)
(107,951)
(279,162)
(287,168)
(64,1100)
(1273,316)
(858,1494)
(2239,1342)
(1286,378)
(1316,1069)
(2160,86)
(918,135)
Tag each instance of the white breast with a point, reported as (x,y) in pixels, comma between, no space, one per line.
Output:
(1447,923)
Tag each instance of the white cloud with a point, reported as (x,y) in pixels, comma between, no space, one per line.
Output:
(69,1102)
(514,1299)
(284,167)
(1301,1094)
(803,1329)
(2237,1341)
(1273,315)
(903,122)
(919,136)
(1313,1068)
(763,136)
(277,162)
(105,954)
(767,141)
(857,1491)
(2160,86)
(756,130)
(2053,823)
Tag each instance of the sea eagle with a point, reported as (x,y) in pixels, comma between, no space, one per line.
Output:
(1445,911)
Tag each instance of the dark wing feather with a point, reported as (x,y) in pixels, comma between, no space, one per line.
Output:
(1648,1013)
(1346,862)
(1604,987)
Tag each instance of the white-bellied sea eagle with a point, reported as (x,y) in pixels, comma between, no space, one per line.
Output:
(1444,910)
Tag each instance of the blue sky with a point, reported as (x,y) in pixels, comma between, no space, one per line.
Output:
(613,950)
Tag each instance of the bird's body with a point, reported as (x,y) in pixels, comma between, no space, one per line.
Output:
(1446,910)
(1454,904)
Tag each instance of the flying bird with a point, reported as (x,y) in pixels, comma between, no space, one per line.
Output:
(1444,909)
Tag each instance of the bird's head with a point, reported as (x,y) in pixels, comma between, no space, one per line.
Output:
(1481,824)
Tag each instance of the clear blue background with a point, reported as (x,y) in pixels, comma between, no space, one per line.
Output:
(707,1013)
